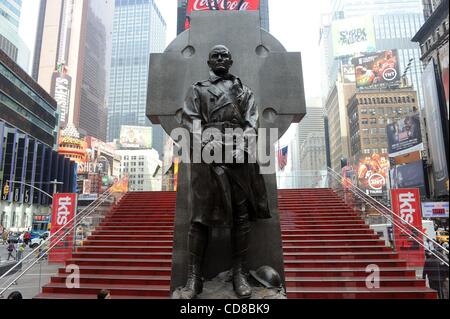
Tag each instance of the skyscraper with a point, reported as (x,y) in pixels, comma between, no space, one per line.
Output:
(10,41)
(139,29)
(74,61)
(182,4)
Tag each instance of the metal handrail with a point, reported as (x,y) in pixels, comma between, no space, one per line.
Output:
(86,213)
(370,200)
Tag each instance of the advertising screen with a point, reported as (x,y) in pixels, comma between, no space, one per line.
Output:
(435,131)
(203,5)
(409,176)
(377,70)
(353,35)
(136,137)
(373,173)
(404,136)
(435,209)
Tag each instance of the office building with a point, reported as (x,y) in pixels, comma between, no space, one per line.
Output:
(143,169)
(74,61)
(28,160)
(10,41)
(139,29)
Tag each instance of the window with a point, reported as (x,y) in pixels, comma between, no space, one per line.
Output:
(363,111)
(381,121)
(373,121)
(366,151)
(364,121)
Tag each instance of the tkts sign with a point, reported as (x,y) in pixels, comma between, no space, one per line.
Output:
(203,5)
(406,205)
(63,213)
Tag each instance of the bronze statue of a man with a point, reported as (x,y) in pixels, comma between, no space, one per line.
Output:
(223,194)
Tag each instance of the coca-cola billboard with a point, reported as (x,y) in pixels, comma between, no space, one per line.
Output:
(203,5)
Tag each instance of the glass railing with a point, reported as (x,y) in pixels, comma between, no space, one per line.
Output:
(39,264)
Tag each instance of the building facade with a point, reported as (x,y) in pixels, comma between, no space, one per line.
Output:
(181,14)
(433,38)
(143,169)
(73,64)
(370,112)
(337,120)
(139,29)
(28,160)
(10,41)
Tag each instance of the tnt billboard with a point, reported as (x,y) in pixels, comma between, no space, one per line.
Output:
(63,213)
(204,5)
(407,208)
(377,70)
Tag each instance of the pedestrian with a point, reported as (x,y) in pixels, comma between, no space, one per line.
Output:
(5,236)
(26,237)
(20,251)
(436,272)
(104,294)
(15,295)
(11,248)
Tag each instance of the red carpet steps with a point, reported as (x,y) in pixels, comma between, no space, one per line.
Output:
(327,248)
(130,253)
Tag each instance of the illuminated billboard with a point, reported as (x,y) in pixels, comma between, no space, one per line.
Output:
(353,35)
(373,172)
(404,136)
(204,5)
(377,70)
(139,137)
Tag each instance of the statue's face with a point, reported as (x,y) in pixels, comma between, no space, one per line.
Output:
(220,60)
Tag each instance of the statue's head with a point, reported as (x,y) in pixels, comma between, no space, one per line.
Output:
(220,60)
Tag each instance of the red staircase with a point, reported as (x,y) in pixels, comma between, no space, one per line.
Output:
(327,247)
(130,253)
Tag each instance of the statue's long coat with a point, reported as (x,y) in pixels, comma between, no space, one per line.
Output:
(211,184)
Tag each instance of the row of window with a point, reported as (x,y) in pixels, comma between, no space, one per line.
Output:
(375,151)
(387,100)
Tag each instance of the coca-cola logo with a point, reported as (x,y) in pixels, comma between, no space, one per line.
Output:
(376,181)
(201,5)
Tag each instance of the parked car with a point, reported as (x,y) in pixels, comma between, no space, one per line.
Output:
(442,236)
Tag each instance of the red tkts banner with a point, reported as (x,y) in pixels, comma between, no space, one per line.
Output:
(63,212)
(406,204)
(203,5)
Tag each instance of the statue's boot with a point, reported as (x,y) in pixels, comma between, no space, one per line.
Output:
(240,242)
(198,236)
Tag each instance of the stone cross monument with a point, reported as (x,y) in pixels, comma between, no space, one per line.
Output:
(275,77)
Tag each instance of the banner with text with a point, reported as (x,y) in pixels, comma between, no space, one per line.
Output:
(406,205)
(353,35)
(63,213)
(204,5)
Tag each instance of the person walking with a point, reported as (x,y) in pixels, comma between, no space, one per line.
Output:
(26,237)
(5,235)
(11,248)
(20,251)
